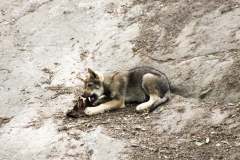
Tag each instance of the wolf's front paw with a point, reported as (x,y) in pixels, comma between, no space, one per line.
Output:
(92,111)
(141,107)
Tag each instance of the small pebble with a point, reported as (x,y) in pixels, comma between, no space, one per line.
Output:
(135,145)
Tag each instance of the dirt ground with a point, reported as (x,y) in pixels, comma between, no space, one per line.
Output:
(47,46)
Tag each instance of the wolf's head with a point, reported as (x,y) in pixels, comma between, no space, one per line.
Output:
(93,86)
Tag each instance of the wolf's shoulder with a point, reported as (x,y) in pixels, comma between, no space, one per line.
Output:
(145,69)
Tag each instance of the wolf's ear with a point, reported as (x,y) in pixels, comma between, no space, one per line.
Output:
(95,74)
(92,73)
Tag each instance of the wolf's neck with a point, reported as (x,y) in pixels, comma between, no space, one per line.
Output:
(106,83)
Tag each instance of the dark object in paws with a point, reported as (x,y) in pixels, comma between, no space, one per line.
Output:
(79,107)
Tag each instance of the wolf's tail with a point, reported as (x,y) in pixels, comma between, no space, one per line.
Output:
(164,99)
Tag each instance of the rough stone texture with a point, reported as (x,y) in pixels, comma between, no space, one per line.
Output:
(46,47)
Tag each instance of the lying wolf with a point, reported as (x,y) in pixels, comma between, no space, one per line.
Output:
(145,85)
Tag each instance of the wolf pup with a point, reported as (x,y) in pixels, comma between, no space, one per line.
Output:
(145,85)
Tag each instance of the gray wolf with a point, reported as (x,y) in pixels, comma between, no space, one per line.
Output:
(144,85)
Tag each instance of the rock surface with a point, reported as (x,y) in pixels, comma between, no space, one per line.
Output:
(46,47)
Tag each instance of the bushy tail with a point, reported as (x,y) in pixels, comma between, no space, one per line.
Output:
(164,99)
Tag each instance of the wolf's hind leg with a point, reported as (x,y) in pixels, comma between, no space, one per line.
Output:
(148,104)
(150,85)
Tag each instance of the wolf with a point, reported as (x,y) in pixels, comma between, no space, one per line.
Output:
(143,85)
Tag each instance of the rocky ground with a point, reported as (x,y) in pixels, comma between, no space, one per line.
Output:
(47,46)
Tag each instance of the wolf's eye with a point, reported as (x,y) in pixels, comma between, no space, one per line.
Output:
(89,85)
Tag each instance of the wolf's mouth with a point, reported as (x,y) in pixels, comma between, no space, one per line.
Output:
(92,98)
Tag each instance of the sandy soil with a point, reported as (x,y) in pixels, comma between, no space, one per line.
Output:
(47,46)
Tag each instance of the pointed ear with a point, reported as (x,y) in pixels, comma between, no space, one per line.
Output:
(92,73)
(95,74)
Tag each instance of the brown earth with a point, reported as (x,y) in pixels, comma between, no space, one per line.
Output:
(47,46)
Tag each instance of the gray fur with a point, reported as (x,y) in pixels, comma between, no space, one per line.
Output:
(145,85)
